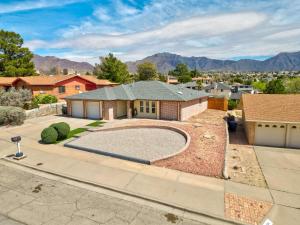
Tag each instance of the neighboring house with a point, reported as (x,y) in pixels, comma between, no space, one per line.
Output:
(242,88)
(143,99)
(59,85)
(191,85)
(272,119)
(172,80)
(204,80)
(218,89)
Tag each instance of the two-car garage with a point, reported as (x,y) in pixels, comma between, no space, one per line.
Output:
(277,135)
(93,109)
(272,119)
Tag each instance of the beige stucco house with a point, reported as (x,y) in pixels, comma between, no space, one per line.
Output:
(272,119)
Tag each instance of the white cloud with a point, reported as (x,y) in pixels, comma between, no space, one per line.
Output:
(285,35)
(125,10)
(33,4)
(190,28)
(102,14)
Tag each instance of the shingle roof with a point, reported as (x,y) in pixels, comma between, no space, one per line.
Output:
(218,86)
(7,80)
(52,80)
(271,107)
(189,84)
(146,90)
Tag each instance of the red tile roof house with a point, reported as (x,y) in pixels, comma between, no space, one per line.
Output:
(272,119)
(59,85)
(143,99)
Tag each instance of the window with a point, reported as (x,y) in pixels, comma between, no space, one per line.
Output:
(221,90)
(281,126)
(77,87)
(141,106)
(267,125)
(153,107)
(274,126)
(259,125)
(61,89)
(147,107)
(294,127)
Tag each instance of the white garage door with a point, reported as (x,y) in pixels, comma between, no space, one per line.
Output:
(270,134)
(93,110)
(77,109)
(293,136)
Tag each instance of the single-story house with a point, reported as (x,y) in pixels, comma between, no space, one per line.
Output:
(143,99)
(191,85)
(58,85)
(218,88)
(272,119)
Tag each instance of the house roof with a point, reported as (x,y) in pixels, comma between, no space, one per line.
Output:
(218,86)
(146,90)
(7,80)
(52,80)
(271,107)
(189,84)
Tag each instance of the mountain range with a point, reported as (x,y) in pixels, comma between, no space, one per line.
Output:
(46,63)
(168,61)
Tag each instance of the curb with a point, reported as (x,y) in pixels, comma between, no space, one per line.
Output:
(114,189)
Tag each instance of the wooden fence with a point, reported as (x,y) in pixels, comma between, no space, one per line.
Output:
(219,103)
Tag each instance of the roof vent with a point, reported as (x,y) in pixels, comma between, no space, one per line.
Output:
(180,92)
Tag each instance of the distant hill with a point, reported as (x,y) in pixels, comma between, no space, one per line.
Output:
(45,63)
(168,61)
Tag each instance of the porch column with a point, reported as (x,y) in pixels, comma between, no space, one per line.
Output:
(129,110)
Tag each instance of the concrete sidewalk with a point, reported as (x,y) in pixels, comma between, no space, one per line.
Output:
(199,194)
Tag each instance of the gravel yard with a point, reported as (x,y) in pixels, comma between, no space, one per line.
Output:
(205,154)
(137,144)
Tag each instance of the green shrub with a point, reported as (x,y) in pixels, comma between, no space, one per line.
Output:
(62,130)
(30,105)
(11,115)
(44,99)
(49,135)
(232,104)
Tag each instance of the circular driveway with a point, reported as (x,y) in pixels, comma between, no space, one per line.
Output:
(145,144)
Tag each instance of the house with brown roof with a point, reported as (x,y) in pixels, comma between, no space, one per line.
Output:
(59,85)
(272,119)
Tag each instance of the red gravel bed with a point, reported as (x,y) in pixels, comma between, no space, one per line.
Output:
(206,152)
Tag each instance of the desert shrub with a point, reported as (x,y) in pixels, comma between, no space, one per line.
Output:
(62,130)
(15,97)
(49,135)
(11,115)
(44,99)
(232,104)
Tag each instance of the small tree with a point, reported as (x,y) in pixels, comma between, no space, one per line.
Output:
(147,71)
(182,73)
(293,85)
(15,60)
(275,87)
(259,85)
(112,69)
(194,73)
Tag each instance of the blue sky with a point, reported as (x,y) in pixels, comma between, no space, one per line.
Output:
(83,30)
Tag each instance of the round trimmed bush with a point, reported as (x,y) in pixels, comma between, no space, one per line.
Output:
(62,130)
(49,135)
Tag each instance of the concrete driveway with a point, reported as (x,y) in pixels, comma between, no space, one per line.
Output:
(281,169)
(32,128)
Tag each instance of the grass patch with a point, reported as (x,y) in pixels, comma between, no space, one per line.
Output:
(96,123)
(72,133)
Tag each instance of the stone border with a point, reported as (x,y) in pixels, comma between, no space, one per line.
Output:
(225,172)
(175,129)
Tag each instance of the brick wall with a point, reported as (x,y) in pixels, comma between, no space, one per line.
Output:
(169,110)
(191,108)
